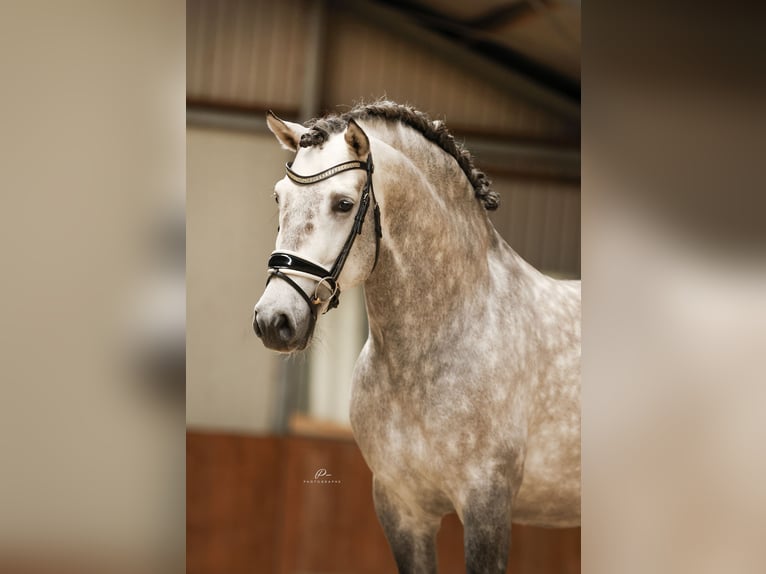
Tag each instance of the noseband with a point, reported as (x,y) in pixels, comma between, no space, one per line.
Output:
(282,264)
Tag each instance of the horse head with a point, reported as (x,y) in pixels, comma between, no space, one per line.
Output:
(322,242)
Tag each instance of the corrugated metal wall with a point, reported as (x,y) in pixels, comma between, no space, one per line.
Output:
(367,61)
(246,52)
(252,55)
(541,221)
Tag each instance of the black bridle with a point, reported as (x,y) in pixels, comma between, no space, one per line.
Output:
(284,263)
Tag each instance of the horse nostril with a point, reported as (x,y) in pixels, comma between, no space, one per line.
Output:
(257,327)
(284,328)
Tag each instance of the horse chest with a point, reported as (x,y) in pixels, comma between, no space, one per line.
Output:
(391,430)
(421,444)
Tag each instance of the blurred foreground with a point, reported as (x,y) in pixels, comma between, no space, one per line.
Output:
(92,306)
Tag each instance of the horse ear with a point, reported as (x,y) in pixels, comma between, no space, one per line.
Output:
(288,133)
(357,139)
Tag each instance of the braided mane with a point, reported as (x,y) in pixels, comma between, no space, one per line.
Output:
(434,131)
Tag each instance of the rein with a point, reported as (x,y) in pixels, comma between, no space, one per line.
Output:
(282,264)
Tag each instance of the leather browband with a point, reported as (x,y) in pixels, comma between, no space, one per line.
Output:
(334,170)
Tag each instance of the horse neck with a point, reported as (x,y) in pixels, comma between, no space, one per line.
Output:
(436,245)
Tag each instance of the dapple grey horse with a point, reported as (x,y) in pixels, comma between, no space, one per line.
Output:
(466,395)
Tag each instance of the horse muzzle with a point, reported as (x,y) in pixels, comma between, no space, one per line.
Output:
(281,332)
(282,321)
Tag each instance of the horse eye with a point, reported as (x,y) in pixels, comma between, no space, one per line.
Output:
(344,205)
(276,198)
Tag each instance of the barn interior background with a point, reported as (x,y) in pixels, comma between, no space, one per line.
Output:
(505,76)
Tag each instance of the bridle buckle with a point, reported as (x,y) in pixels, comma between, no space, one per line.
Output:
(331,286)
